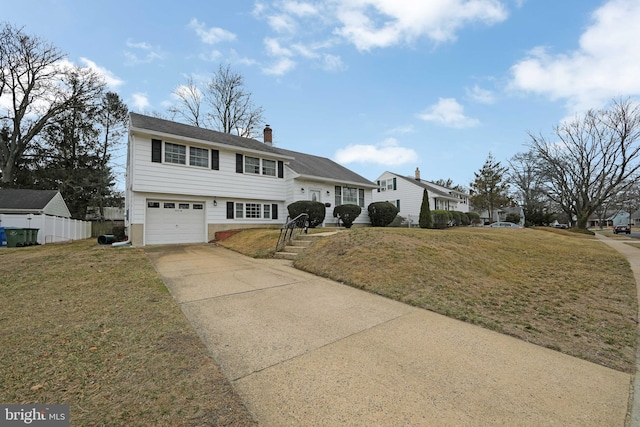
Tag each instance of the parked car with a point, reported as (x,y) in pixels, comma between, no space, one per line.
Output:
(562,226)
(504,224)
(622,229)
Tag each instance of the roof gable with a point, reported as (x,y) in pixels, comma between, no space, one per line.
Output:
(434,189)
(180,130)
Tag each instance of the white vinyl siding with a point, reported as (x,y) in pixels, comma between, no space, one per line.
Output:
(149,177)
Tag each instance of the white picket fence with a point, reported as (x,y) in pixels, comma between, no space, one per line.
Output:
(52,228)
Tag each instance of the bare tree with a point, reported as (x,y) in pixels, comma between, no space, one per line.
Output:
(35,86)
(527,188)
(222,104)
(189,106)
(232,109)
(593,158)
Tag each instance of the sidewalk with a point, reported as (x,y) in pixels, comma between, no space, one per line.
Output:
(633,256)
(303,350)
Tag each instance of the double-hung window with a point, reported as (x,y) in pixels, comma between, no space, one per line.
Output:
(175,153)
(252,165)
(198,157)
(268,167)
(349,196)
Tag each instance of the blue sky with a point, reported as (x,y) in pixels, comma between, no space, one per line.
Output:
(374,84)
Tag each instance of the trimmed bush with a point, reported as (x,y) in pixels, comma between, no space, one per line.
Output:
(382,213)
(474,218)
(347,214)
(398,221)
(315,210)
(464,218)
(456,218)
(441,218)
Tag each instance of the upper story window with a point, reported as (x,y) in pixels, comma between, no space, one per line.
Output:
(174,153)
(268,167)
(259,166)
(198,157)
(252,165)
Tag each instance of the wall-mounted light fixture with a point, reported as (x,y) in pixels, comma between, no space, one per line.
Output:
(215,202)
(302,189)
(328,192)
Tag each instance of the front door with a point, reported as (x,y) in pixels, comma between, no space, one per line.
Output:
(314,195)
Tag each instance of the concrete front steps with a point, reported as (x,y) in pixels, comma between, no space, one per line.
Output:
(299,244)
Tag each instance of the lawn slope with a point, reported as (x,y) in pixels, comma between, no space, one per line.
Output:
(566,291)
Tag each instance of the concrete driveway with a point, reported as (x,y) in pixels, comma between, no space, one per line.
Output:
(306,351)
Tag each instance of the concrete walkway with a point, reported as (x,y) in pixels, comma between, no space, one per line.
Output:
(306,351)
(633,256)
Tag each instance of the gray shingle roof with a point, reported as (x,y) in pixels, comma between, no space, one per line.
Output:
(321,167)
(25,199)
(154,124)
(425,184)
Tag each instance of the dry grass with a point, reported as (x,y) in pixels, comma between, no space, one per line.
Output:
(95,328)
(561,290)
(258,242)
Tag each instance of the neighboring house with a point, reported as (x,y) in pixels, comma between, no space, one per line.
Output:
(611,219)
(185,183)
(406,193)
(35,202)
(45,210)
(500,214)
(635,218)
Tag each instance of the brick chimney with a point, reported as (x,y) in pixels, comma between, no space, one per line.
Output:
(417,174)
(268,136)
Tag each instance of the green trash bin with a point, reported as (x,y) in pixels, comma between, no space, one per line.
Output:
(16,237)
(32,236)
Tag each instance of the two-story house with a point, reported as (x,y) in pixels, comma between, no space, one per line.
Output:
(406,193)
(184,183)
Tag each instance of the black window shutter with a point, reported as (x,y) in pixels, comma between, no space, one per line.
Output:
(274,211)
(394,184)
(215,159)
(230,210)
(398,204)
(156,151)
(280,169)
(378,186)
(239,166)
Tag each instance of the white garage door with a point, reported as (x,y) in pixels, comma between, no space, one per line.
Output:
(174,222)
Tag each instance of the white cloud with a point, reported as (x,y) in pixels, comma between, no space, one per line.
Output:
(142,52)
(449,113)
(300,8)
(280,67)
(401,130)
(382,23)
(332,63)
(274,48)
(604,66)
(109,78)
(211,35)
(480,95)
(140,101)
(389,152)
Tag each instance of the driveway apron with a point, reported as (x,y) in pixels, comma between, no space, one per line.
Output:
(306,351)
